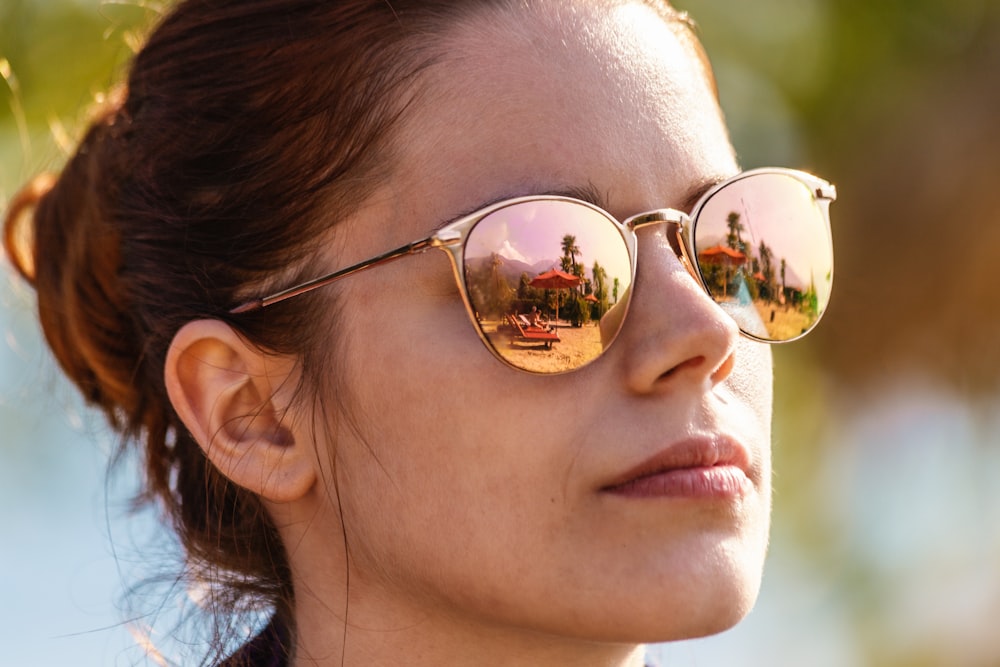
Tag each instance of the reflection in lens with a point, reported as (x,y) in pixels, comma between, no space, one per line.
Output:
(765,255)
(540,277)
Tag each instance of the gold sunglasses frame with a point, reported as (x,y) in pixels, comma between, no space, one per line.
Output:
(452,236)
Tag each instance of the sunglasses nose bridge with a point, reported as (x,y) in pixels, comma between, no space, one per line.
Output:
(678,232)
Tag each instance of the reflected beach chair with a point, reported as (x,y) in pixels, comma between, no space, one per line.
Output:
(522,333)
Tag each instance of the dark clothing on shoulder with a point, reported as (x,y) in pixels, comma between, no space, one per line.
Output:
(268,649)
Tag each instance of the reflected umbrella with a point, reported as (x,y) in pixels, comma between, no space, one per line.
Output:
(724,256)
(555,279)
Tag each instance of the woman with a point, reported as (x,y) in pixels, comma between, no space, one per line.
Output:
(359,448)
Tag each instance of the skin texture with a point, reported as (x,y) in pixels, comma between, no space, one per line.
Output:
(461,514)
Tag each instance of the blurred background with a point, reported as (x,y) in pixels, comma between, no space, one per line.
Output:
(886,540)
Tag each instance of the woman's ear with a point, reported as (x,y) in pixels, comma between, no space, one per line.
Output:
(235,400)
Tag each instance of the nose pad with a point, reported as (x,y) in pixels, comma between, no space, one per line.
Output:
(612,320)
(675,331)
(675,233)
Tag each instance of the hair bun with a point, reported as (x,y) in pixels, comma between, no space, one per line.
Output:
(60,235)
(18,234)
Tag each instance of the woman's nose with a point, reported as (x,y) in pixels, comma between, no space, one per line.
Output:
(675,335)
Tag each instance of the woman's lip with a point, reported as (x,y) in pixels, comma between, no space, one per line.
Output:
(696,467)
(720,481)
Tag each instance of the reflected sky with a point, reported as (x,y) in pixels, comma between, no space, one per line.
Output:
(533,232)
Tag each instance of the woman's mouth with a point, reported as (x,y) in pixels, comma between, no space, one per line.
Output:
(700,468)
(721,481)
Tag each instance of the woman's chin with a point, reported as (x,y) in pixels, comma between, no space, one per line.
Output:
(712,599)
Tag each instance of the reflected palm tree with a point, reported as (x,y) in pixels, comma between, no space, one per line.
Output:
(600,287)
(495,263)
(734,238)
(767,270)
(570,250)
(783,286)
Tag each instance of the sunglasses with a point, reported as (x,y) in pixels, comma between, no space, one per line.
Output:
(547,279)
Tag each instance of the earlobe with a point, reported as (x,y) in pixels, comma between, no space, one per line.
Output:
(234,400)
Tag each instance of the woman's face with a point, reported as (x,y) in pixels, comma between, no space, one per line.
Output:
(581,505)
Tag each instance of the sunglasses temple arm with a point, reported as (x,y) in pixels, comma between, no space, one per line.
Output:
(825,192)
(322,281)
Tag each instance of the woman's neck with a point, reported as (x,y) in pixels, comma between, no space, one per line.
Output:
(383,632)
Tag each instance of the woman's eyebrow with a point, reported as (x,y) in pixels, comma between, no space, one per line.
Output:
(695,194)
(592,195)
(588,193)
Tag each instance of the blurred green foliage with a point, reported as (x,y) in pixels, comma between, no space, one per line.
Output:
(56,57)
(898,102)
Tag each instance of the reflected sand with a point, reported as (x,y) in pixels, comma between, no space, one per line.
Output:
(576,346)
(783,322)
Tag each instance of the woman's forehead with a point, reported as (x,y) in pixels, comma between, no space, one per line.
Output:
(531,98)
(610,32)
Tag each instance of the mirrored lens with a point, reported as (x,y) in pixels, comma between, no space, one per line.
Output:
(548,282)
(765,254)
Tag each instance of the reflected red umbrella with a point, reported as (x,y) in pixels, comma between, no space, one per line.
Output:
(555,279)
(722,255)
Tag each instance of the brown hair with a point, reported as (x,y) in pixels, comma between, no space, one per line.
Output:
(245,129)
